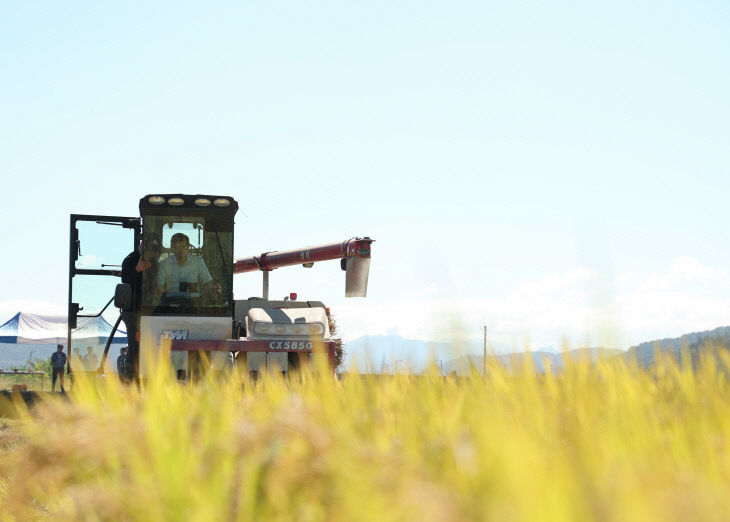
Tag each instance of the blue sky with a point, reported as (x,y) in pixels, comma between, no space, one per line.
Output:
(554,169)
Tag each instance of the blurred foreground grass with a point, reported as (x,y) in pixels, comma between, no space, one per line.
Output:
(603,441)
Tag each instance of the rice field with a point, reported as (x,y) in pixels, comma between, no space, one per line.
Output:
(602,441)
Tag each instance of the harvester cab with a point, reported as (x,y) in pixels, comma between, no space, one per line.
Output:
(177,291)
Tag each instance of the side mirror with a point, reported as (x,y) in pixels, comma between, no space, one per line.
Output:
(73,312)
(123,296)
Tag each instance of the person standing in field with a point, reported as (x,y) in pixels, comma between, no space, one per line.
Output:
(77,361)
(122,364)
(133,266)
(91,360)
(58,363)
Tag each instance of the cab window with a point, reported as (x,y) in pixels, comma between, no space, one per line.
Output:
(192,259)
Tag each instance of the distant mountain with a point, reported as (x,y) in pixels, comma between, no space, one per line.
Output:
(381,354)
(694,342)
(466,364)
(384,350)
(593,354)
(372,353)
(541,359)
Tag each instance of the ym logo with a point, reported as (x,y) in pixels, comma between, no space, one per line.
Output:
(175,334)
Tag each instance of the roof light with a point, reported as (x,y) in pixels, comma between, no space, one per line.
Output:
(176,202)
(202,202)
(221,202)
(156,200)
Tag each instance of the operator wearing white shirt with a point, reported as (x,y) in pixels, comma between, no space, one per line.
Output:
(183,272)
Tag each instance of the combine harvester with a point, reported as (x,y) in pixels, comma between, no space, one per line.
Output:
(192,310)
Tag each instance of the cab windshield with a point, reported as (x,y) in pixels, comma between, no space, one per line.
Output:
(192,261)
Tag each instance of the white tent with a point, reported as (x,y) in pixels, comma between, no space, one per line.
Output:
(25,328)
(34,336)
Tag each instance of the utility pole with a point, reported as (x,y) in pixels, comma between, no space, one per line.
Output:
(396,365)
(485,350)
